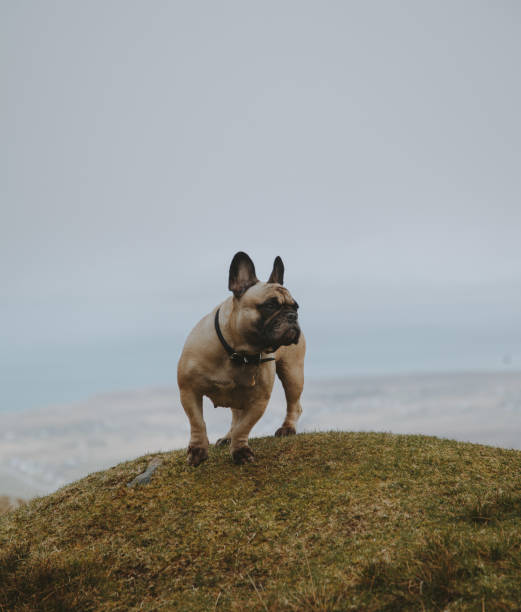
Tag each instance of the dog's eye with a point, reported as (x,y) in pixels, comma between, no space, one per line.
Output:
(270,306)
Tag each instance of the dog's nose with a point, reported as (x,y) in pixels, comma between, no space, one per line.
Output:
(292,317)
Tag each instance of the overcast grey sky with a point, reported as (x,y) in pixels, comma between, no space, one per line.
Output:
(376,146)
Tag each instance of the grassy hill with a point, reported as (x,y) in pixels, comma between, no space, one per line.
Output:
(326,521)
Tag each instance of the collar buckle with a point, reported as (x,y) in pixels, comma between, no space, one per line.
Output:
(236,358)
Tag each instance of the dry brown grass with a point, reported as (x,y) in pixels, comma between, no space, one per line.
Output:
(321,522)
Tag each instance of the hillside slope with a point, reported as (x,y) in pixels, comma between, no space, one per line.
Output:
(329,521)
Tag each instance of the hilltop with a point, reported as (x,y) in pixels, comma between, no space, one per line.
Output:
(329,521)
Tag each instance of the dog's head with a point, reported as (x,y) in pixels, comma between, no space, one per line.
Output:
(265,313)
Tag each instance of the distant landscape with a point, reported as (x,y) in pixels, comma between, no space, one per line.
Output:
(42,450)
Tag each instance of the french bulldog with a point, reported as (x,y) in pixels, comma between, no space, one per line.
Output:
(233,353)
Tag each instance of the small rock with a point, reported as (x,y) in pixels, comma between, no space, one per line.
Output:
(144,477)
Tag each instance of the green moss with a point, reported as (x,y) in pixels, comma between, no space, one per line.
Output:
(329,521)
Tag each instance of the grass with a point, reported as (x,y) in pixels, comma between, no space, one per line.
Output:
(321,522)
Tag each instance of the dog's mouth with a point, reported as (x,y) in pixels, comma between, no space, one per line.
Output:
(291,336)
(282,336)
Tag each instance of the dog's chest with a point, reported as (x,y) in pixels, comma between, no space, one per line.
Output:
(239,389)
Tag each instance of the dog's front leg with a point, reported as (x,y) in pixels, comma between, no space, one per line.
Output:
(290,370)
(193,406)
(246,419)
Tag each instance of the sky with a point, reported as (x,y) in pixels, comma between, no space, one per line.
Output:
(375,146)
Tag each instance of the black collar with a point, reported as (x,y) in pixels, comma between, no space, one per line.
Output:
(238,358)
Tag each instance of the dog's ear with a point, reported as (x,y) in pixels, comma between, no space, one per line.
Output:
(277,274)
(242,274)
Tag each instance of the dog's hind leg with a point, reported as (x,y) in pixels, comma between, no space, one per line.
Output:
(290,370)
(228,437)
(246,419)
(193,406)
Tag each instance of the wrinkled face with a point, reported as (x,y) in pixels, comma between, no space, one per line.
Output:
(268,316)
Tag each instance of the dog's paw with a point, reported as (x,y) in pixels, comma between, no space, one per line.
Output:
(223,442)
(196,455)
(243,455)
(285,431)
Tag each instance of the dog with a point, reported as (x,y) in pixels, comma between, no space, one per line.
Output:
(232,354)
